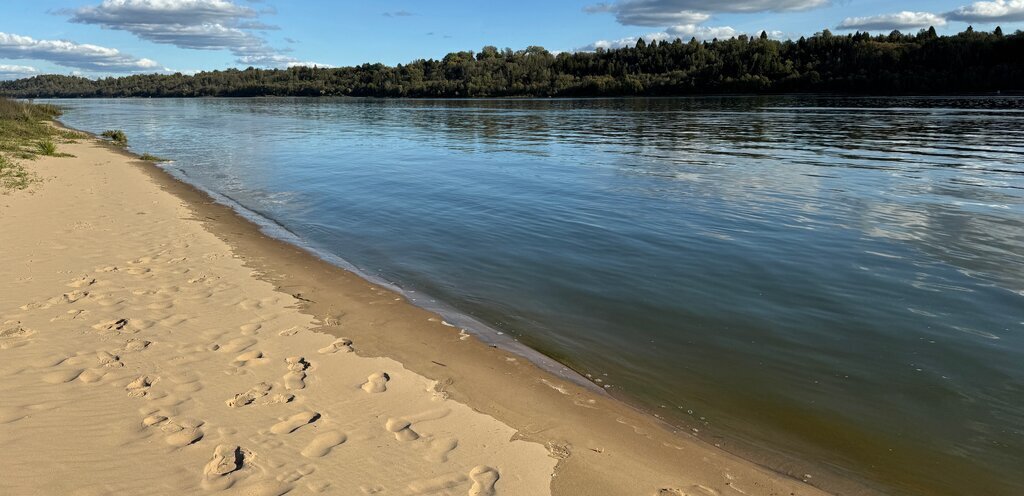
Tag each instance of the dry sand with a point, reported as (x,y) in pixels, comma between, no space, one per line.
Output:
(152,342)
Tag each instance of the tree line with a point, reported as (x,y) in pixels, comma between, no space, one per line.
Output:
(859,63)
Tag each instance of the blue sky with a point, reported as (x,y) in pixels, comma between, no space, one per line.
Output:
(114,37)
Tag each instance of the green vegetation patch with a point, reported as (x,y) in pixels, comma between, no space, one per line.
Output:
(14,176)
(47,147)
(117,136)
(153,158)
(25,133)
(23,126)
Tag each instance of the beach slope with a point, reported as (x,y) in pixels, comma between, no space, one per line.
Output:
(152,342)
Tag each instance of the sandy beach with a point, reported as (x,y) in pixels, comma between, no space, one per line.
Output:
(154,342)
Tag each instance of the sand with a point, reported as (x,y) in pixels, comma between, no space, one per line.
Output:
(152,342)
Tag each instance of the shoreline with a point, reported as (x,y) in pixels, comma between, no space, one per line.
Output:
(451,316)
(764,457)
(265,258)
(602,445)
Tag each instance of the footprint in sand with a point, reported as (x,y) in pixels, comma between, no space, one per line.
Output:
(248,358)
(432,486)
(70,297)
(135,345)
(65,298)
(402,429)
(377,382)
(402,426)
(695,490)
(250,329)
(254,393)
(291,424)
(90,376)
(226,459)
(61,376)
(296,376)
(297,474)
(106,361)
(483,478)
(238,345)
(323,443)
(153,419)
(13,335)
(440,449)
(183,432)
(139,387)
(280,399)
(69,315)
(318,486)
(264,488)
(81,282)
(343,345)
(289,332)
(111,325)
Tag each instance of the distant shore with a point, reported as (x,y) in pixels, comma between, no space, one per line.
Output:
(209,331)
(852,63)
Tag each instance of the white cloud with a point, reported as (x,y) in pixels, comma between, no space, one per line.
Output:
(309,64)
(8,71)
(684,32)
(685,18)
(70,54)
(121,14)
(688,31)
(648,15)
(686,12)
(989,12)
(191,24)
(898,20)
(623,42)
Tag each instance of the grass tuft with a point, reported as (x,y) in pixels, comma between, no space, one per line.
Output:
(47,147)
(117,136)
(153,158)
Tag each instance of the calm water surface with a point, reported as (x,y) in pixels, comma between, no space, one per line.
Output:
(827,285)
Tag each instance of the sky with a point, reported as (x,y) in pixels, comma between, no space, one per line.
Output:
(98,38)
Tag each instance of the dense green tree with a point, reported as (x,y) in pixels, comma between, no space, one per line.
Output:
(895,63)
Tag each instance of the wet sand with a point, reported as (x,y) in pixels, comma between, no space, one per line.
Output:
(155,342)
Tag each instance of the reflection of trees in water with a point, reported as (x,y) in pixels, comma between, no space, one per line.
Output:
(763,153)
(672,127)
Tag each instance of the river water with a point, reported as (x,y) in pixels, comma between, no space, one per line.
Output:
(816,282)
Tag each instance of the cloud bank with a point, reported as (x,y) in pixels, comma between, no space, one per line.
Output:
(985,12)
(69,54)
(16,71)
(899,20)
(990,12)
(190,24)
(686,18)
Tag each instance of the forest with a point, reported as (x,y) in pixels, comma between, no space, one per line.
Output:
(858,63)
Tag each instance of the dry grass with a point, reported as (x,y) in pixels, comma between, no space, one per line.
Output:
(26,132)
(14,176)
